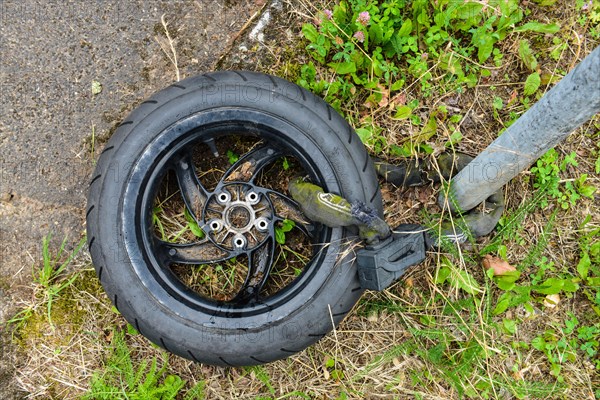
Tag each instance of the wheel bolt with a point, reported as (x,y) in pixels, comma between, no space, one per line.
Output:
(252,198)
(262,224)
(215,225)
(239,242)
(223,197)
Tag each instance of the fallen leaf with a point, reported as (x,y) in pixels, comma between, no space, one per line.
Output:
(551,300)
(96,87)
(498,265)
(385,95)
(109,336)
(399,99)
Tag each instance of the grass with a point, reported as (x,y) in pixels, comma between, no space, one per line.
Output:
(121,379)
(49,280)
(450,329)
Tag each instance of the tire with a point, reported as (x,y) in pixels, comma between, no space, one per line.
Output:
(136,268)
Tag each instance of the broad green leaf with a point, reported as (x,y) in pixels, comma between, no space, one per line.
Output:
(532,84)
(343,68)
(330,363)
(485,46)
(192,224)
(195,229)
(582,188)
(556,285)
(287,225)
(527,55)
(538,27)
(376,34)
(587,191)
(397,46)
(340,13)
(403,112)
(469,10)
(538,343)
(232,157)
(507,280)
(397,85)
(279,236)
(310,32)
(498,103)
(442,275)
(518,295)
(595,250)
(503,303)
(583,266)
(510,325)
(377,67)
(364,134)
(593,281)
(455,137)
(451,64)
(405,29)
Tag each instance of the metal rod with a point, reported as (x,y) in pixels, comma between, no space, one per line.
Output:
(573,101)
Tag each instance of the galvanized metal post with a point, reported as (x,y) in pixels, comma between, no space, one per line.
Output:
(574,100)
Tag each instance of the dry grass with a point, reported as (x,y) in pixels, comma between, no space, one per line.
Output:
(386,347)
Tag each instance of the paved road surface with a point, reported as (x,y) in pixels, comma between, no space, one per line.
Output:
(50,53)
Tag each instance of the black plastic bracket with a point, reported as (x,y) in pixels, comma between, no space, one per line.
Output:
(381,264)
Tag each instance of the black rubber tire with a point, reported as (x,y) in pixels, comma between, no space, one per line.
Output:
(122,266)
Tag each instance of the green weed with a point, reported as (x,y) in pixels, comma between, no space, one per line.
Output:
(170,230)
(50,279)
(547,171)
(378,50)
(121,379)
(280,231)
(232,157)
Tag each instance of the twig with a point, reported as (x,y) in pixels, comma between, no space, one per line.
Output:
(232,41)
(172,57)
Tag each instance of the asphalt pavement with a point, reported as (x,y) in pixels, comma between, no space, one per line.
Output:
(70,71)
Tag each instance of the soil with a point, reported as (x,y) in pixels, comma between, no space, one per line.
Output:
(53,125)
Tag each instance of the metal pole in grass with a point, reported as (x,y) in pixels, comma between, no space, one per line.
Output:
(573,101)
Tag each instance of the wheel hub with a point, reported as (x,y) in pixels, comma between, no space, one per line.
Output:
(238,217)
